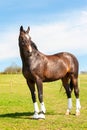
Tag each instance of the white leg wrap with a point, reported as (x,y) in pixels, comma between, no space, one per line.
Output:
(69,103)
(78,106)
(69,106)
(43,109)
(36,109)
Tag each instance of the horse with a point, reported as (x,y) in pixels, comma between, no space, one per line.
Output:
(38,68)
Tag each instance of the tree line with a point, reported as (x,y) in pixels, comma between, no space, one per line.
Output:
(13,69)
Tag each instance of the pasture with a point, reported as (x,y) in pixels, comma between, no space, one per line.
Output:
(16,107)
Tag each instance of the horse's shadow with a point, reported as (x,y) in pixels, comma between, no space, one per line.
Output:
(17,115)
(25,115)
(22,115)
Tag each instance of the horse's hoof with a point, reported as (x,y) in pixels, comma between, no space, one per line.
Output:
(77,113)
(67,112)
(41,115)
(35,116)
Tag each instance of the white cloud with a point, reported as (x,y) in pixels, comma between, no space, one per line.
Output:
(68,35)
(8,45)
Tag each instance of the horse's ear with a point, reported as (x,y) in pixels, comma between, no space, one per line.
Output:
(28,30)
(21,28)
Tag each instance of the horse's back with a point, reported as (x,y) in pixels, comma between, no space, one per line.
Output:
(65,61)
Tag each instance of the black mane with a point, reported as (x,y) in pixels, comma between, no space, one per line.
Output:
(33,45)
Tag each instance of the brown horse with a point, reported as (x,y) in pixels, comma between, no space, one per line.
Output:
(38,68)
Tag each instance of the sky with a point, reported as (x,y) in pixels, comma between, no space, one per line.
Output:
(55,26)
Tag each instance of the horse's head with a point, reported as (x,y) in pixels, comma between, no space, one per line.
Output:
(25,40)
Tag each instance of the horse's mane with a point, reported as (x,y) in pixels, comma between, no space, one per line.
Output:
(33,45)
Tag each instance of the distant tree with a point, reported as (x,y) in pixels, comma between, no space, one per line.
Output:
(13,69)
(83,72)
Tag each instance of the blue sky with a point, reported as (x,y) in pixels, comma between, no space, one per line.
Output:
(56,25)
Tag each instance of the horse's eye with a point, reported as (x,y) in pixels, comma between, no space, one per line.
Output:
(23,43)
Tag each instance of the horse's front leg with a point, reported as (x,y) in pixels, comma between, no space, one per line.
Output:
(31,86)
(40,96)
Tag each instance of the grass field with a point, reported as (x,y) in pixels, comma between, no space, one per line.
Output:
(16,106)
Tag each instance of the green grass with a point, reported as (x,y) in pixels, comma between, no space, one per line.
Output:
(16,107)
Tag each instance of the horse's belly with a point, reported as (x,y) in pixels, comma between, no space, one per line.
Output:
(54,74)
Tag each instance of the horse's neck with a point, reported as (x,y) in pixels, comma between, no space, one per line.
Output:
(24,59)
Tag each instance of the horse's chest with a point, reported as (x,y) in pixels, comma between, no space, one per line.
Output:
(31,71)
(27,72)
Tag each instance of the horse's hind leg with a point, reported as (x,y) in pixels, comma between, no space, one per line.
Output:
(66,83)
(76,91)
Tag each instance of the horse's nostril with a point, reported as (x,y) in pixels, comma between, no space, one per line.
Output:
(27,51)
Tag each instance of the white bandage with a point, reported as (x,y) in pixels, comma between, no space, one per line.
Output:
(69,103)
(36,109)
(78,106)
(43,109)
